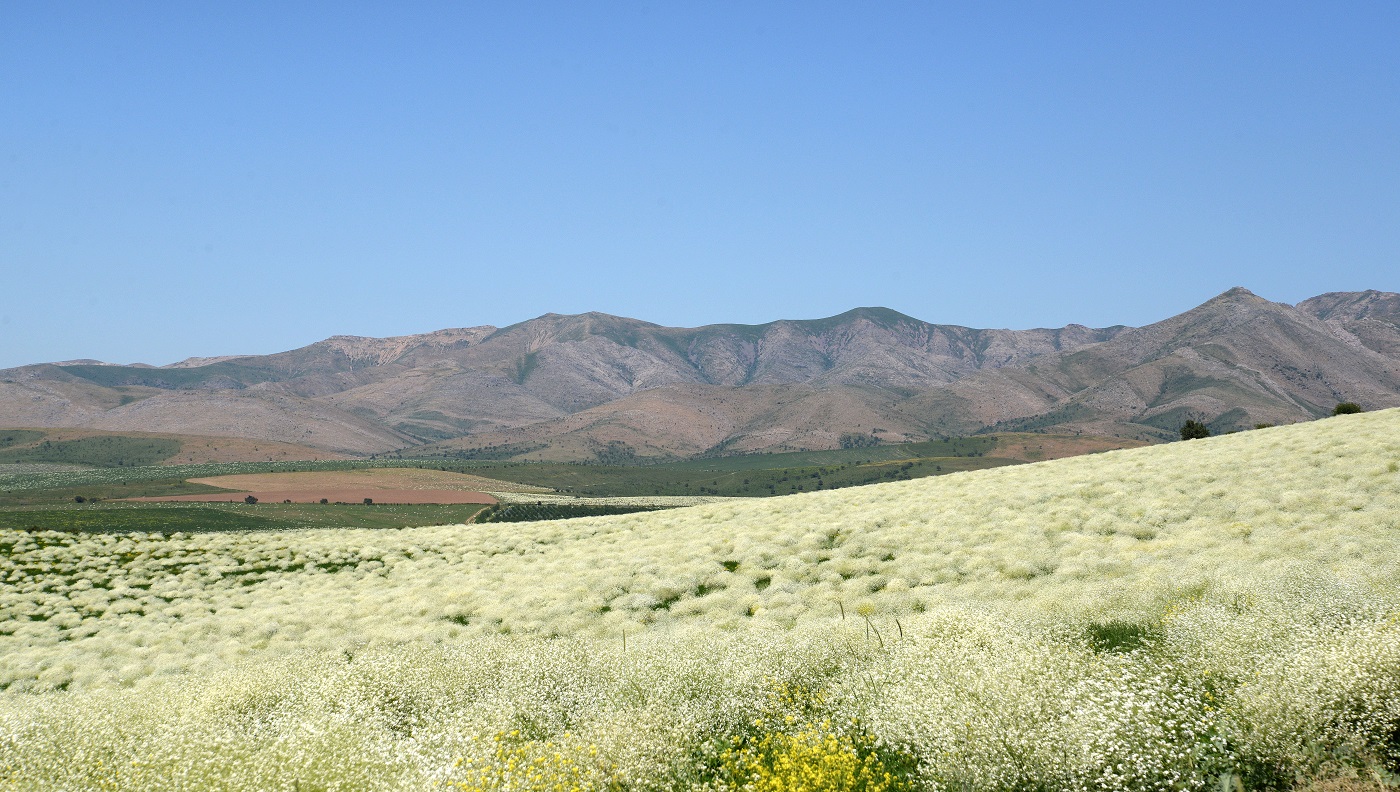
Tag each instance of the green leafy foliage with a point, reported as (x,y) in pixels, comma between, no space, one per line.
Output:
(1194,430)
(102,451)
(13,437)
(530,512)
(858,440)
(171,517)
(1120,636)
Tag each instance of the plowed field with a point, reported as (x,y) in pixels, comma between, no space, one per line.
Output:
(382,485)
(334,495)
(377,478)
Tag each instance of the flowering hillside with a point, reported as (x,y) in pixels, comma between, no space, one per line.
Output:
(1176,617)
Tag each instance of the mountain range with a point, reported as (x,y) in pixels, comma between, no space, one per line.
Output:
(591,386)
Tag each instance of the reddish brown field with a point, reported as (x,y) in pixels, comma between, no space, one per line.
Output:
(335,495)
(373,479)
(383,485)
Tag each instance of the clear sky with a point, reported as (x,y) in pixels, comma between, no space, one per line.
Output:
(183,179)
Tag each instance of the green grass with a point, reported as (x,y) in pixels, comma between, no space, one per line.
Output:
(530,512)
(107,451)
(12,437)
(151,488)
(104,519)
(623,481)
(172,517)
(954,447)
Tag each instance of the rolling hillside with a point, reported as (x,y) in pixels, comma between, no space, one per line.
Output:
(1209,614)
(1069,535)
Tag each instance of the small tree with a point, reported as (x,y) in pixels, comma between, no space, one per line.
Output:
(325,500)
(250,500)
(1194,430)
(1346,408)
(369,501)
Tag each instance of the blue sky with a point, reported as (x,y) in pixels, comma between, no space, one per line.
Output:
(184,179)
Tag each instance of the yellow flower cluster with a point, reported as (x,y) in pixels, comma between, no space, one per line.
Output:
(515,764)
(802,754)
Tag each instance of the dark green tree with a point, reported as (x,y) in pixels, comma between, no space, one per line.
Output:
(1194,430)
(250,500)
(1346,408)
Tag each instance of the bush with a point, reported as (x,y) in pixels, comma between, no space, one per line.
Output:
(1194,430)
(1119,636)
(250,500)
(1346,408)
(858,440)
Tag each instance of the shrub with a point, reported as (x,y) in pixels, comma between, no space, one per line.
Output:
(1346,408)
(1119,636)
(1194,430)
(250,500)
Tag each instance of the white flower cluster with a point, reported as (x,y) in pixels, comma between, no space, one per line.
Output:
(973,700)
(966,621)
(16,469)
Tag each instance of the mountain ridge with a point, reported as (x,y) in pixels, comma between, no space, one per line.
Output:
(570,386)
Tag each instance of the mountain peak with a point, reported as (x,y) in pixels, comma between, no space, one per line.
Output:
(1237,293)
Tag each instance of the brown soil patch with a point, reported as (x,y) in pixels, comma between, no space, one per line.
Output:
(372,479)
(334,495)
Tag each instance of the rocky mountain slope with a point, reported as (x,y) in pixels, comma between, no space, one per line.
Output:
(574,387)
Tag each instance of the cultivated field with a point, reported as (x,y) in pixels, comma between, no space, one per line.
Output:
(1217,614)
(380,478)
(383,485)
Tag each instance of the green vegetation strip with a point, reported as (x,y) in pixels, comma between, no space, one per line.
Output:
(13,437)
(530,512)
(739,477)
(169,517)
(103,452)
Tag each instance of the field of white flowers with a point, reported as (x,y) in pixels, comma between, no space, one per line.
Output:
(1211,614)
